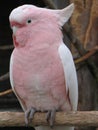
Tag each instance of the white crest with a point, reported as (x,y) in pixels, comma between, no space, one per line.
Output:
(64,14)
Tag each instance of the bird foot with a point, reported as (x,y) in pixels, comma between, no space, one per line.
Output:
(29,114)
(50,117)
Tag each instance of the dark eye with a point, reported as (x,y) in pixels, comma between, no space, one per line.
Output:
(29,21)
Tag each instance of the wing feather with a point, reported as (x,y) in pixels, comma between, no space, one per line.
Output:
(11,71)
(70,74)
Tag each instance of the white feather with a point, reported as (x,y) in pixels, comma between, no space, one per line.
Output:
(11,71)
(70,74)
(64,14)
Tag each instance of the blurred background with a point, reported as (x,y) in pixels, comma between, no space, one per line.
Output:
(80,35)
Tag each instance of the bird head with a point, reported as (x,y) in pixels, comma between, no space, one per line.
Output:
(30,22)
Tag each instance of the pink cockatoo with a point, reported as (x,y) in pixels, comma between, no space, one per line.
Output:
(42,71)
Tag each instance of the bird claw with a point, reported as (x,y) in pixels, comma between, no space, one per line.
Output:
(29,114)
(50,117)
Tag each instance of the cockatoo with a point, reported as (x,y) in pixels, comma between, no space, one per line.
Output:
(42,70)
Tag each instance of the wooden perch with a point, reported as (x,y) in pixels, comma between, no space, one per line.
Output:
(79,118)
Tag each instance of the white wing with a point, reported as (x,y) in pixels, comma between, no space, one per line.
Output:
(70,74)
(11,71)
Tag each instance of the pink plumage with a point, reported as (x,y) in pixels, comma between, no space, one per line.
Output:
(42,71)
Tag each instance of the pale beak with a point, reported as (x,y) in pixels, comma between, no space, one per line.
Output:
(14,28)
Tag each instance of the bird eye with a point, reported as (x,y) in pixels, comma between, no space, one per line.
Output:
(29,21)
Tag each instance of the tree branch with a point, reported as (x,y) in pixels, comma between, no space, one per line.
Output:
(7,47)
(88,55)
(6,92)
(79,118)
(4,77)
